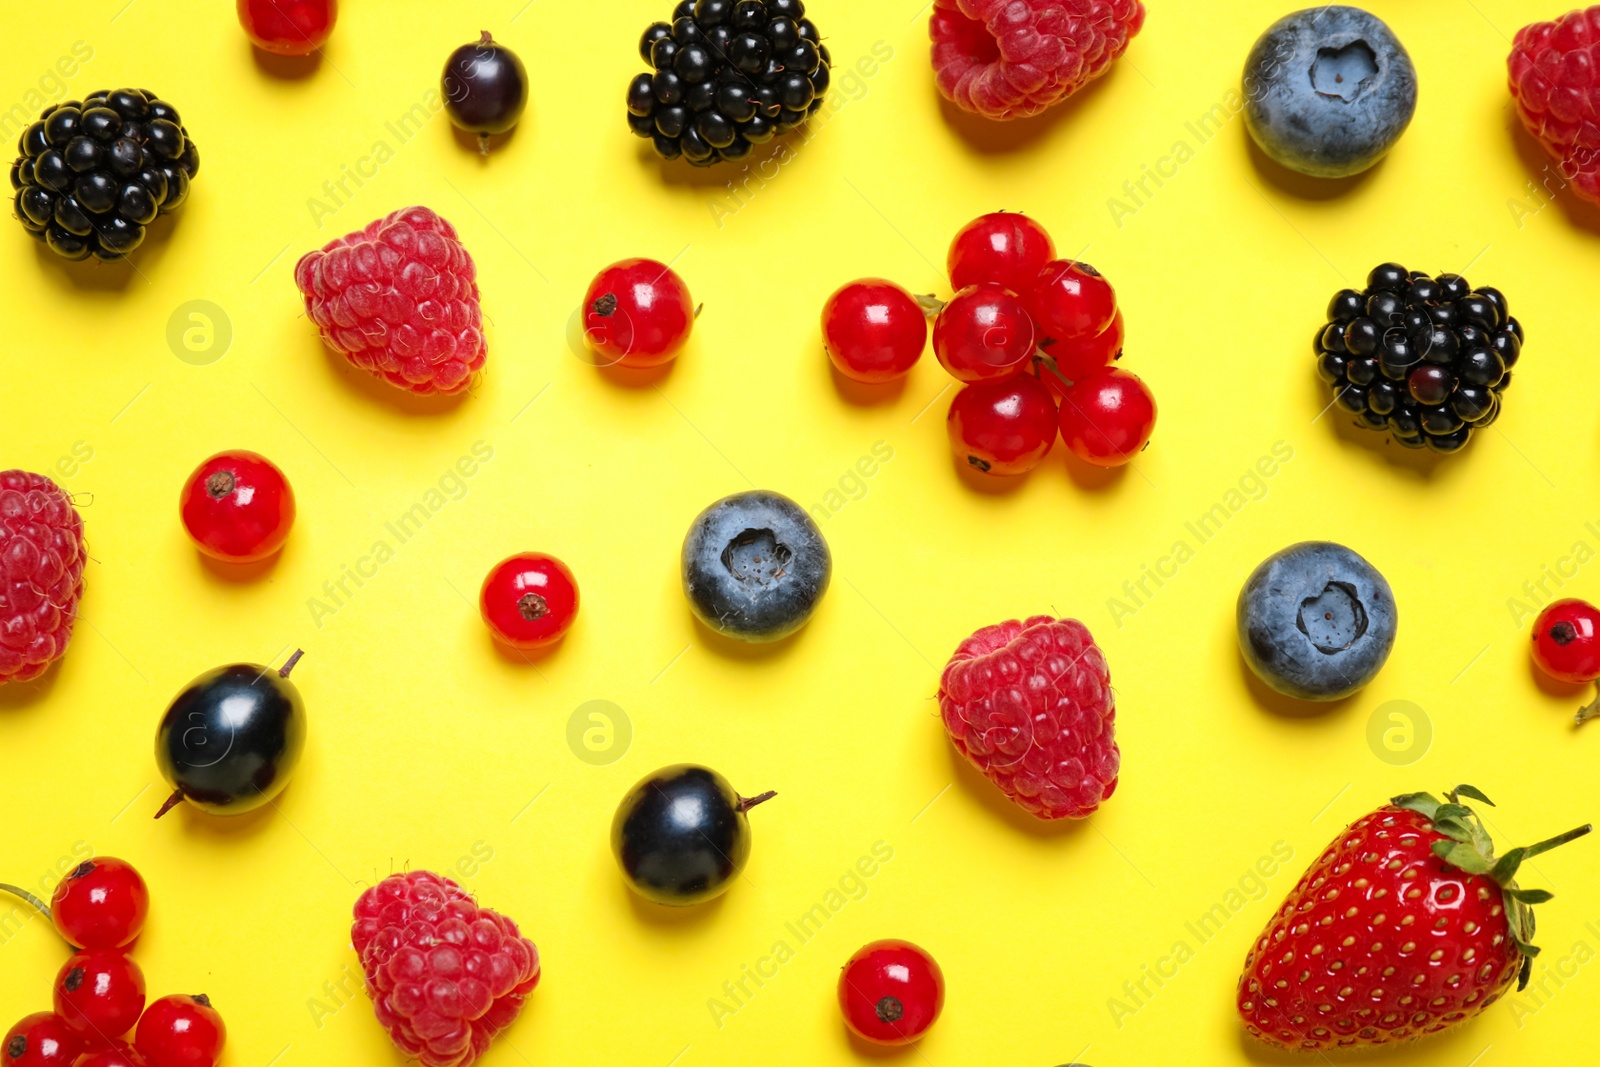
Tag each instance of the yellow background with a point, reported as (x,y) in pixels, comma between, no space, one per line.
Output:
(427,746)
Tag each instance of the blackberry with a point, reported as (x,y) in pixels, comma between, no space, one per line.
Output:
(728,74)
(1423,359)
(93,173)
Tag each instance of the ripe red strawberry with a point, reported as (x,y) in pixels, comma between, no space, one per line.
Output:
(1555,79)
(1030,704)
(445,976)
(1007,59)
(42,556)
(399,299)
(1408,924)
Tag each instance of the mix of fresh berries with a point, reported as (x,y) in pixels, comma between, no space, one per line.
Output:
(890,991)
(727,74)
(1008,59)
(99,993)
(42,556)
(229,742)
(874,330)
(1566,646)
(288,27)
(1408,924)
(529,600)
(637,313)
(93,173)
(485,89)
(399,299)
(445,975)
(1424,359)
(680,836)
(237,507)
(1555,81)
(1030,704)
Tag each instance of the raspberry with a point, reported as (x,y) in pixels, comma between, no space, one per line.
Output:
(1008,59)
(1030,704)
(445,976)
(399,299)
(1555,79)
(41,573)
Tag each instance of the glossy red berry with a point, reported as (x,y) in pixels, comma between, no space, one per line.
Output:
(1003,427)
(116,1055)
(181,1031)
(43,1039)
(1566,641)
(874,330)
(1080,357)
(100,993)
(237,507)
(983,333)
(1107,417)
(529,600)
(1006,248)
(1071,300)
(102,903)
(288,27)
(891,992)
(637,313)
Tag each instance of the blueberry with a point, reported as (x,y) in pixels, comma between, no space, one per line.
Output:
(1316,621)
(755,566)
(1328,91)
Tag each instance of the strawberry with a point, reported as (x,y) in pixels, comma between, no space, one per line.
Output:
(1408,924)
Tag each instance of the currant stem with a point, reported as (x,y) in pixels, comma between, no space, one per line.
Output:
(1589,711)
(173,801)
(40,906)
(930,304)
(288,665)
(746,803)
(1048,362)
(483,144)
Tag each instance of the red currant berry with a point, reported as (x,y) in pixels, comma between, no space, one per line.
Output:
(529,600)
(891,992)
(237,507)
(101,904)
(875,331)
(117,1055)
(100,993)
(1005,248)
(1071,300)
(983,334)
(43,1039)
(1078,358)
(1566,641)
(1003,427)
(1107,417)
(288,27)
(637,314)
(181,1031)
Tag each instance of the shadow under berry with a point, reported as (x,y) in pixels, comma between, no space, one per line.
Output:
(1000,137)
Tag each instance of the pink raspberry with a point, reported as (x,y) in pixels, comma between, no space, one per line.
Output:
(445,976)
(1008,59)
(399,299)
(1030,704)
(1555,79)
(42,556)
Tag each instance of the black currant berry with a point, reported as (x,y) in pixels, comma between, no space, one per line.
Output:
(681,836)
(231,739)
(485,89)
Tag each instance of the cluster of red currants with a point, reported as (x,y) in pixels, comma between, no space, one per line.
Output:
(1032,337)
(100,909)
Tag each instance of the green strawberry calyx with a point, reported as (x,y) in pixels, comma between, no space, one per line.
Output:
(1468,847)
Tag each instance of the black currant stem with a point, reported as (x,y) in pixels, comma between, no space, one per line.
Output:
(288,665)
(483,144)
(40,906)
(173,801)
(1589,711)
(746,803)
